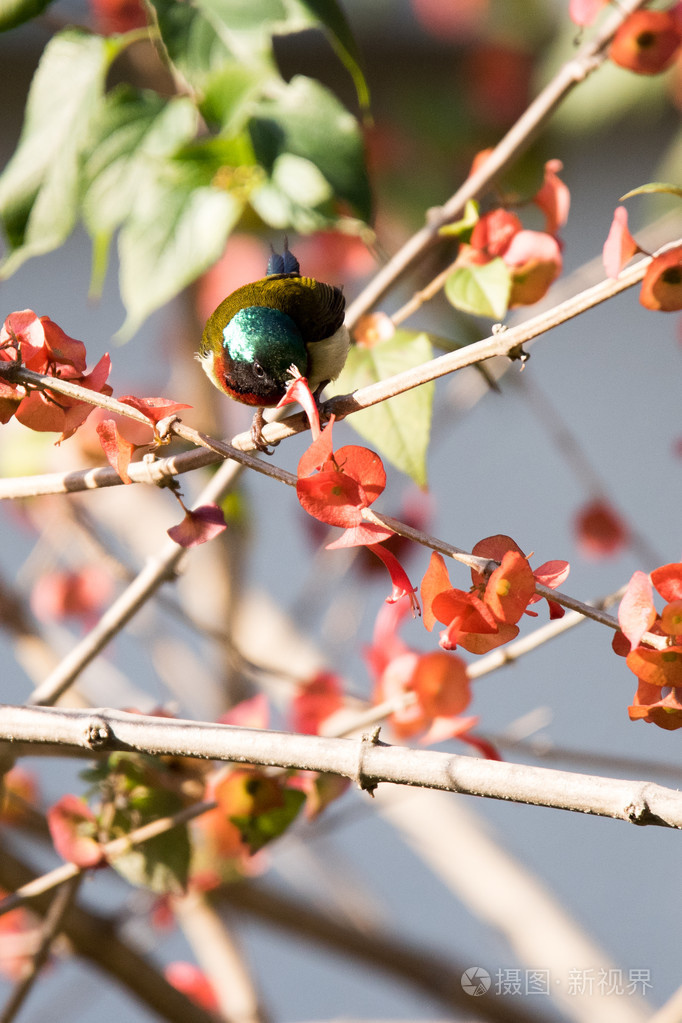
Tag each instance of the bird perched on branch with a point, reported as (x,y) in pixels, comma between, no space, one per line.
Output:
(264,329)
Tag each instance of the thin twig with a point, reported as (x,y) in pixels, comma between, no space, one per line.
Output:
(95,937)
(110,850)
(517,139)
(49,931)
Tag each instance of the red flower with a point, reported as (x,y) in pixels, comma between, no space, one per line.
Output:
(44,348)
(439,681)
(314,702)
(335,487)
(485,617)
(662,284)
(659,671)
(647,42)
(600,532)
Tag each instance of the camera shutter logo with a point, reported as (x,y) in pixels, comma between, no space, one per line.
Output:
(475,981)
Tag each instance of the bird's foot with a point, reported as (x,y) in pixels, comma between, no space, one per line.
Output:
(257,437)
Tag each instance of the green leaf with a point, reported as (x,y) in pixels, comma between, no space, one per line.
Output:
(400,427)
(334,23)
(39,187)
(230,93)
(482,290)
(133,137)
(161,863)
(654,186)
(16,12)
(176,230)
(305,119)
(462,228)
(257,831)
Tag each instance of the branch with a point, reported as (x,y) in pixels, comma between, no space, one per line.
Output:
(367,761)
(433,973)
(517,139)
(51,929)
(502,342)
(95,938)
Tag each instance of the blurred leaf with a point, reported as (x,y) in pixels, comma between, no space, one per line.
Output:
(334,23)
(400,427)
(16,12)
(654,186)
(191,41)
(463,227)
(39,186)
(176,230)
(480,289)
(161,863)
(304,119)
(258,829)
(132,137)
(230,92)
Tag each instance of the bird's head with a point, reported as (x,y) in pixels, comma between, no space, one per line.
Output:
(249,356)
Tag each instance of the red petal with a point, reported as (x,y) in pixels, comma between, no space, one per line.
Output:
(662,284)
(62,348)
(493,548)
(552,573)
(318,454)
(657,667)
(198,526)
(600,531)
(510,588)
(299,391)
(668,581)
(637,613)
(333,497)
(442,684)
(553,197)
(464,611)
(314,702)
(191,981)
(253,713)
(364,535)
(620,246)
(155,409)
(583,12)
(364,466)
(72,828)
(402,587)
(435,581)
(117,450)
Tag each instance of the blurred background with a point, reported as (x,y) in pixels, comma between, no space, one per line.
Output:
(530,895)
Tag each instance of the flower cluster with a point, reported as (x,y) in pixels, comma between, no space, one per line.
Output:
(40,345)
(485,616)
(658,699)
(499,258)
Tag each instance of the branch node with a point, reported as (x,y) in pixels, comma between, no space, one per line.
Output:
(639,812)
(518,353)
(163,429)
(97,733)
(368,739)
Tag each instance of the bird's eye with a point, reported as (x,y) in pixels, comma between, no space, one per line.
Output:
(258,369)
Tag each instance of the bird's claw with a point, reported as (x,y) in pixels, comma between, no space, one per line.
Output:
(257,437)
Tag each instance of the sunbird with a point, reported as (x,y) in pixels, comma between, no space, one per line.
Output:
(265,331)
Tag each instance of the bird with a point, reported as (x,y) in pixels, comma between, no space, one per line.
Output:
(266,331)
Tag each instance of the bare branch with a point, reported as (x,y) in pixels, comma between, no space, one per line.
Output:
(367,761)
